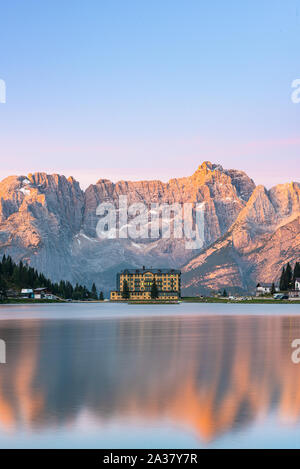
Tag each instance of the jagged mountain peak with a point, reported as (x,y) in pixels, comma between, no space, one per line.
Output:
(208,171)
(39,179)
(209,166)
(104,181)
(269,208)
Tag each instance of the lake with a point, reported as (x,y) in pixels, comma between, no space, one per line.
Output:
(149,376)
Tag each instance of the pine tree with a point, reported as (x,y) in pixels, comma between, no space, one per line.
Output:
(288,277)
(2,288)
(9,265)
(273,289)
(154,290)
(225,294)
(296,273)
(16,276)
(86,293)
(69,290)
(94,295)
(282,284)
(125,292)
(101,296)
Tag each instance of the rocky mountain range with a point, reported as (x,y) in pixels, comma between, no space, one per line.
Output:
(249,232)
(264,237)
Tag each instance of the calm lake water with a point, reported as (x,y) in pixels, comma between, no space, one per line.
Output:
(162,376)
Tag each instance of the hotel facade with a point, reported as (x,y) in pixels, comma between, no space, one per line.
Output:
(140,281)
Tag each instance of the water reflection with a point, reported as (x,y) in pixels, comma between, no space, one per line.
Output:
(212,374)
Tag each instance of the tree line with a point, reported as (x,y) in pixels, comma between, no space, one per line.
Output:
(289,276)
(17,276)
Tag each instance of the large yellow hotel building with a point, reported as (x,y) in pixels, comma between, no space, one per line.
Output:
(140,282)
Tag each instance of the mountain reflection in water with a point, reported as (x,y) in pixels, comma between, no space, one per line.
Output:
(208,374)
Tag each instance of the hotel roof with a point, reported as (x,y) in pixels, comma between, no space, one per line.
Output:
(153,271)
(265,285)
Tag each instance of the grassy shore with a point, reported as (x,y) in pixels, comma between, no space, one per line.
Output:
(261,301)
(28,301)
(255,301)
(33,301)
(206,300)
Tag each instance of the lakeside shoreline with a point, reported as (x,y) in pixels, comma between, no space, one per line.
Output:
(31,301)
(208,300)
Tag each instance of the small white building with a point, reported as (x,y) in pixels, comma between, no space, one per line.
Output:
(49,296)
(265,289)
(297,284)
(27,293)
(40,293)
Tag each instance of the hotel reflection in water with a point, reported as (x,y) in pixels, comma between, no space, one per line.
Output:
(208,374)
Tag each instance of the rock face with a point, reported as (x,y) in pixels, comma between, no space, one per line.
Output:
(265,236)
(224,192)
(40,215)
(49,222)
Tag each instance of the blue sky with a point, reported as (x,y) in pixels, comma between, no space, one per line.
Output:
(150,89)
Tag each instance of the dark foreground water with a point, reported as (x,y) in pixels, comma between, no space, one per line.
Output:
(165,376)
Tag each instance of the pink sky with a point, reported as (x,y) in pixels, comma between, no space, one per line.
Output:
(263,160)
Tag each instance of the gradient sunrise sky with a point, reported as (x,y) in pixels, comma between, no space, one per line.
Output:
(141,89)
